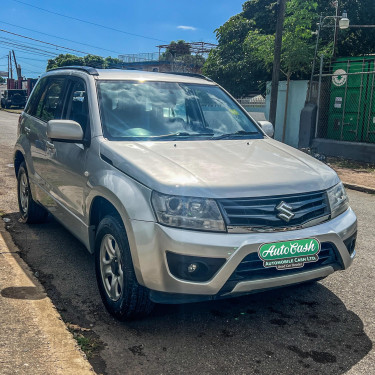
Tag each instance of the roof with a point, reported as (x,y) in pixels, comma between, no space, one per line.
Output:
(139,75)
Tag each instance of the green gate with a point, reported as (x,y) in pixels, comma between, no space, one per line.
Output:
(352,100)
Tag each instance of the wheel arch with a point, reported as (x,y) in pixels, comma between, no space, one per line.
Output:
(105,203)
(18,160)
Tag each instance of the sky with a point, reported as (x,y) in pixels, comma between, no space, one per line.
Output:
(140,26)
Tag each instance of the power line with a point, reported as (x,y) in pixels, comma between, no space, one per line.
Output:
(50,56)
(88,22)
(30,45)
(27,63)
(32,50)
(59,37)
(26,47)
(40,41)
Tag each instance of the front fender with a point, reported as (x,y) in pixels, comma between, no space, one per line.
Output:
(130,198)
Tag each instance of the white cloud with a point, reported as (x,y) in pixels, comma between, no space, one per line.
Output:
(186,28)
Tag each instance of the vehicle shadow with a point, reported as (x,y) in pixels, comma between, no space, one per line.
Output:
(303,329)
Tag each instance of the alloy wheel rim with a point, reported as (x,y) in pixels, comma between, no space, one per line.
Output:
(111,267)
(24,192)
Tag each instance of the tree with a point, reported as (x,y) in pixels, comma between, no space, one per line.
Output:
(297,46)
(180,48)
(2,80)
(229,64)
(241,68)
(94,61)
(352,41)
(180,52)
(112,62)
(65,60)
(88,60)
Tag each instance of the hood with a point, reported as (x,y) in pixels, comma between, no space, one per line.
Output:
(220,169)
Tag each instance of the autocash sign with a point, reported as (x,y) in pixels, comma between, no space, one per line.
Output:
(289,254)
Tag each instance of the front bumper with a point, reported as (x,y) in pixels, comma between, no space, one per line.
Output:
(150,243)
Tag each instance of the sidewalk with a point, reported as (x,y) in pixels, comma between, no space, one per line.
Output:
(33,338)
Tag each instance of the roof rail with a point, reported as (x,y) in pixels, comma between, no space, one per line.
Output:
(196,75)
(88,69)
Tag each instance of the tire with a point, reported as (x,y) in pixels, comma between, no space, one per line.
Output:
(31,212)
(123,297)
(17,100)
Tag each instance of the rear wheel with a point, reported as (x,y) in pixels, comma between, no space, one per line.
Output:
(123,297)
(31,212)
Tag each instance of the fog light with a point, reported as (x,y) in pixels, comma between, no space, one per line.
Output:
(192,267)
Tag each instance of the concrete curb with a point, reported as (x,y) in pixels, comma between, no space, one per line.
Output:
(363,189)
(14,111)
(34,336)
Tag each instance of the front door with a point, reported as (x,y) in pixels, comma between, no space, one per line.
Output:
(66,161)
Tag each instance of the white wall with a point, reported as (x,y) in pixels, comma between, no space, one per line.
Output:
(297,98)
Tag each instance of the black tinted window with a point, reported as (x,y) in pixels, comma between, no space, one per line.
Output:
(49,106)
(77,107)
(35,98)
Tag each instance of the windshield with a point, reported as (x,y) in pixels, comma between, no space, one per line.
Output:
(168,110)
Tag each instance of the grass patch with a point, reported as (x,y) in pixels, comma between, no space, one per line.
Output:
(89,345)
(351,164)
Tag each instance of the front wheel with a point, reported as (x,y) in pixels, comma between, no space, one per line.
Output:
(123,297)
(31,212)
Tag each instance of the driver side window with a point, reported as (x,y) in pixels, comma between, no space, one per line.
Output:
(77,106)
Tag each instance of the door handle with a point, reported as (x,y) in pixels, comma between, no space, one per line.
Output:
(27,130)
(50,145)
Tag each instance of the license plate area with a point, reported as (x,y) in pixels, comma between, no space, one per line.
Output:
(289,254)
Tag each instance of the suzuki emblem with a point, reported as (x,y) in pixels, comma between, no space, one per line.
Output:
(285,211)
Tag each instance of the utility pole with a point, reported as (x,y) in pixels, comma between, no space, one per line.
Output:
(276,60)
(10,63)
(18,67)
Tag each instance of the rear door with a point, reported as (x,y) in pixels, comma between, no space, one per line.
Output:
(45,104)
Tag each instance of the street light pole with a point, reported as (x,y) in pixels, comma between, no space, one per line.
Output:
(342,24)
(315,53)
(276,60)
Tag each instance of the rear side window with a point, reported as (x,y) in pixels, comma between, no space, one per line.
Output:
(50,103)
(32,105)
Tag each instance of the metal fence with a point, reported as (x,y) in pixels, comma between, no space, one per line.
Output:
(256,101)
(345,94)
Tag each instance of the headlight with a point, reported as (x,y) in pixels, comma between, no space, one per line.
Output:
(338,200)
(188,212)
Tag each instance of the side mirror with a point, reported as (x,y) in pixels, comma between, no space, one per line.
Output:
(64,131)
(267,127)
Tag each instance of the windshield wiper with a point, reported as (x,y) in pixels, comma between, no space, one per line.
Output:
(181,135)
(239,133)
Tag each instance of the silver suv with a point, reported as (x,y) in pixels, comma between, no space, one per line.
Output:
(176,190)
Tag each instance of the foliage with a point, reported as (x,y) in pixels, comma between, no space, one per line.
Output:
(180,51)
(229,64)
(352,41)
(88,60)
(178,48)
(242,61)
(2,80)
(297,45)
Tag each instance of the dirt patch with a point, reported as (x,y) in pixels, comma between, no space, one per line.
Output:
(353,172)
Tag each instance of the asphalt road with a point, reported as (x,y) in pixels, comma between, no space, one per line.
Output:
(320,328)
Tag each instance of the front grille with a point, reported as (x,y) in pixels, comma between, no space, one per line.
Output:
(261,213)
(251,267)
